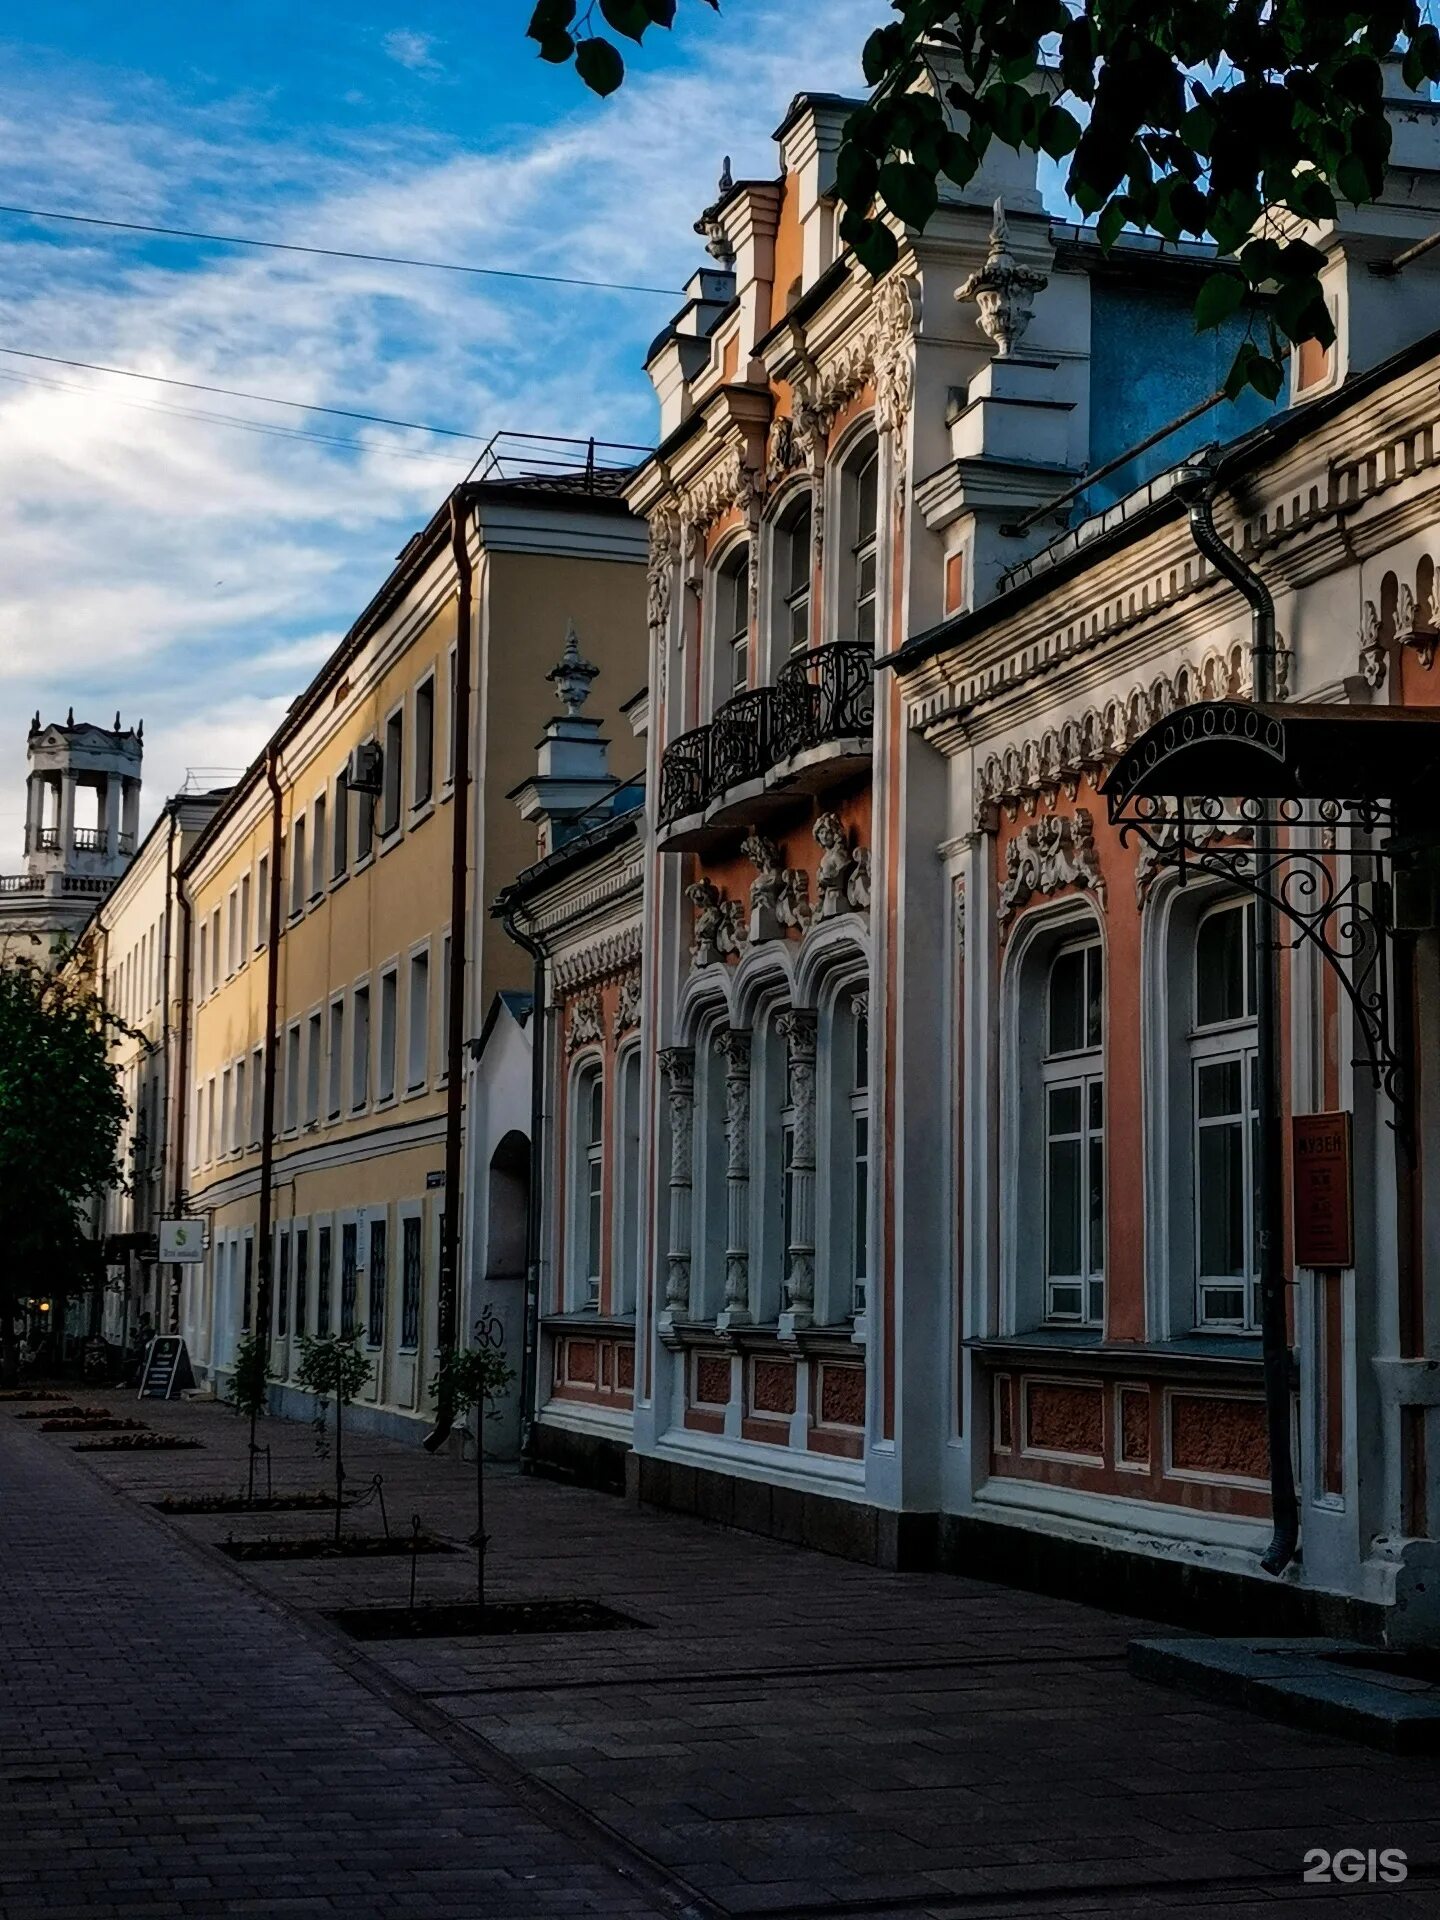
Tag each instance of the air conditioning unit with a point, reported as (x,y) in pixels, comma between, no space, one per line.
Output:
(366,768)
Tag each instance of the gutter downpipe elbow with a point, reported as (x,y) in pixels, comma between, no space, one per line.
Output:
(530,1348)
(1195,485)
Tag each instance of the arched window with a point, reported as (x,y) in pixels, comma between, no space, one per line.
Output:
(587,1124)
(860,499)
(842,1152)
(792,560)
(629,1239)
(1222,1073)
(859,1105)
(732,623)
(1073,1078)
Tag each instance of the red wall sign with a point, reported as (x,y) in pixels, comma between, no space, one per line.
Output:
(1322,1188)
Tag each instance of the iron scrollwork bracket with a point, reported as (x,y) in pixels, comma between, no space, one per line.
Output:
(1345,921)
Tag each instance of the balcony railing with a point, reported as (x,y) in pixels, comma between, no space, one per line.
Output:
(91,840)
(821,696)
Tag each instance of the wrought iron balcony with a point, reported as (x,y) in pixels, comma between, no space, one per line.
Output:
(822,705)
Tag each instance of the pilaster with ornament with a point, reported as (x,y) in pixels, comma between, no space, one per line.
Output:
(677,1064)
(733,1044)
(1055,851)
(797,1027)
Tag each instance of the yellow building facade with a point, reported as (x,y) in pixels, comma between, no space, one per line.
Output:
(325,883)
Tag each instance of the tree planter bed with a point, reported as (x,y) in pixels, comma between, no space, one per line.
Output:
(21,1396)
(237,1503)
(106,1425)
(445,1622)
(138,1443)
(71,1410)
(350,1546)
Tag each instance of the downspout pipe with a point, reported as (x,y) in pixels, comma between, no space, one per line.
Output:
(263,1261)
(1195,485)
(459,926)
(530,1340)
(177,1066)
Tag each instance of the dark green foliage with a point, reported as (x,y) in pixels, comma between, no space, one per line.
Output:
(1208,119)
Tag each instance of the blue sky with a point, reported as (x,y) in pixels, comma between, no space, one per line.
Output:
(195,573)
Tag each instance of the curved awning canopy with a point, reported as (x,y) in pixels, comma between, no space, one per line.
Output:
(1278,752)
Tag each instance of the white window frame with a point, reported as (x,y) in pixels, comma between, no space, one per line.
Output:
(339,828)
(387,1069)
(335,1061)
(362,1041)
(587,1184)
(299,877)
(1081,1069)
(319,845)
(1230,1042)
(294,1067)
(392,762)
(417,1020)
(425,689)
(729,643)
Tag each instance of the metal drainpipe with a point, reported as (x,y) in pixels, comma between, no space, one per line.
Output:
(177,1065)
(530,1345)
(459,911)
(1195,485)
(263,1264)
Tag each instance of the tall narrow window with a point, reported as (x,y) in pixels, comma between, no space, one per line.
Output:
(335,1079)
(444,1007)
(393,772)
(257,1095)
(323,1248)
(594,1185)
(240,1119)
(302,1280)
(364,825)
(292,1078)
(318,816)
(412,1249)
(314,1048)
(451,713)
(417,1066)
(375,1324)
(860,1154)
(349,1258)
(360,1048)
(202,963)
(262,900)
(1222,1052)
(249,1283)
(1074,1094)
(340,827)
(424,742)
(298,876)
(227,1117)
(245,919)
(385,1073)
(282,1284)
(732,622)
(232,932)
(792,568)
(863,485)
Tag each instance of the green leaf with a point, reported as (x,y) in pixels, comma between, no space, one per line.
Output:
(856,175)
(908,191)
(1238,378)
(599,65)
(662,12)
(1058,132)
(885,47)
(876,248)
(557,48)
(630,17)
(1265,375)
(551,17)
(1112,221)
(957,158)
(1222,294)
(1353,181)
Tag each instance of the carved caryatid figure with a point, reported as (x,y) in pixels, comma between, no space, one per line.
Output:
(836,860)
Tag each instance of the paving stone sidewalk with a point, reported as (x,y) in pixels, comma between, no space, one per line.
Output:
(172,1744)
(793,1736)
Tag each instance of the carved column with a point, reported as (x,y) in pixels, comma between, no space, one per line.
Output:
(798,1029)
(678,1066)
(734,1045)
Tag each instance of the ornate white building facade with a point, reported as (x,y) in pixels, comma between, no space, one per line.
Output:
(945,1157)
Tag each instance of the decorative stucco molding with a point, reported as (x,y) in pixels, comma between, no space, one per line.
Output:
(1404,616)
(1054,763)
(779,896)
(627,1006)
(610,954)
(719,924)
(1048,854)
(586,1024)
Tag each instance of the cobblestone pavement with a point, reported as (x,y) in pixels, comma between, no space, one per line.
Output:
(793,1736)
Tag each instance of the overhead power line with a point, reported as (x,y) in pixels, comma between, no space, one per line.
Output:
(339,253)
(240,393)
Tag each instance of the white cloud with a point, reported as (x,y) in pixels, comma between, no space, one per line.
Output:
(182,568)
(413,50)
